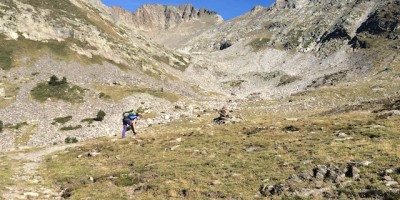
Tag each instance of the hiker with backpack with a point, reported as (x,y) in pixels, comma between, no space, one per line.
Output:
(129,118)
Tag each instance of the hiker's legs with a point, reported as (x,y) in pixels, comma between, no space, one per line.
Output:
(125,123)
(124,130)
(133,126)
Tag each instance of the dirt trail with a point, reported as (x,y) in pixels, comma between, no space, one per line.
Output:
(27,181)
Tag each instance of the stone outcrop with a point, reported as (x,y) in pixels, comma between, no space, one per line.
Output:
(330,182)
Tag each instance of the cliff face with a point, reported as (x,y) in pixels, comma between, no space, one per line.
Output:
(153,17)
(299,44)
(305,25)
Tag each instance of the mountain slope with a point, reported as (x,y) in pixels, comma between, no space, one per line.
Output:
(270,52)
(107,67)
(311,88)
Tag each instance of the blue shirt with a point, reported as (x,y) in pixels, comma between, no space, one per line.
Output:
(132,116)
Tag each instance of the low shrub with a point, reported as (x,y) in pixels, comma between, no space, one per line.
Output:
(55,81)
(103,95)
(1,126)
(62,120)
(57,89)
(16,126)
(69,140)
(70,128)
(100,116)
(286,79)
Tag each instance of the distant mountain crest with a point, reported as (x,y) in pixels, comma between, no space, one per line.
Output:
(297,4)
(161,17)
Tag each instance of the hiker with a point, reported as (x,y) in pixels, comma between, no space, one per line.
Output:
(129,118)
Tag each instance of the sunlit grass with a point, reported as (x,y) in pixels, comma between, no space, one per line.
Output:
(119,92)
(11,91)
(199,160)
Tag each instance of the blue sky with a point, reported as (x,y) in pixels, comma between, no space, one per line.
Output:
(228,9)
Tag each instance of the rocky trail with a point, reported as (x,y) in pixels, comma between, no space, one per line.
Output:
(28,183)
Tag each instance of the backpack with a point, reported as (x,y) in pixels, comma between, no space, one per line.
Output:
(130,114)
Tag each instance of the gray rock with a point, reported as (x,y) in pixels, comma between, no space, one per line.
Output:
(320,171)
(174,147)
(389,171)
(276,189)
(316,193)
(387,178)
(31,194)
(216,182)
(395,112)
(391,183)
(294,178)
(93,154)
(366,163)
(2,92)
(306,175)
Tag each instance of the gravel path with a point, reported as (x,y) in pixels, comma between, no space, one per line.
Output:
(27,180)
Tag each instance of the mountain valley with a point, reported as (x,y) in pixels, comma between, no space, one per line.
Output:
(311,88)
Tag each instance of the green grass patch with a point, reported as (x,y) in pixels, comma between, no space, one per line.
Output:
(163,59)
(259,44)
(231,160)
(6,172)
(102,95)
(287,79)
(25,136)
(12,50)
(11,91)
(70,128)
(126,180)
(234,83)
(69,140)
(16,126)
(120,92)
(59,90)
(61,120)
(5,57)
(100,191)
(88,120)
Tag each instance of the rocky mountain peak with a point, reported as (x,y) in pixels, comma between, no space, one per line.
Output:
(298,4)
(256,8)
(153,17)
(284,4)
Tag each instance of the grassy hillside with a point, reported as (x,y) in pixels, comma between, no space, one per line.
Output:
(196,159)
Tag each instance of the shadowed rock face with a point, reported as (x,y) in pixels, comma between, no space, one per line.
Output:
(384,19)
